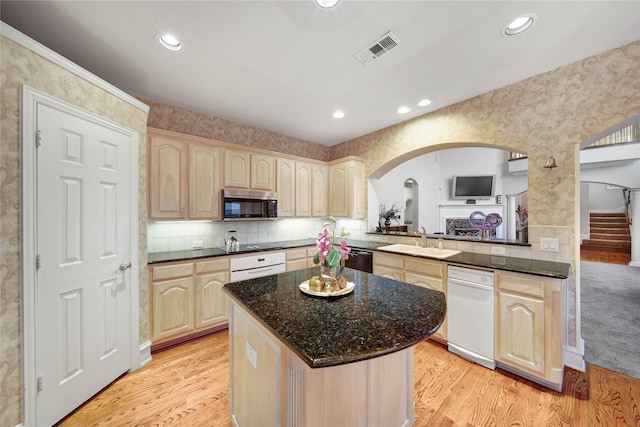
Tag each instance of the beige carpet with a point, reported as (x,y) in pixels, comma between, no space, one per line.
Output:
(610,304)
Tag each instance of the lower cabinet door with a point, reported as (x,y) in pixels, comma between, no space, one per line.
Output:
(172,308)
(521,334)
(212,305)
(437,284)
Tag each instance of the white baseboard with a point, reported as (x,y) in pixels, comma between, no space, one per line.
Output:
(145,353)
(574,358)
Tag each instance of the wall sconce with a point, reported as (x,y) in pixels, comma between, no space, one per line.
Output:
(551,163)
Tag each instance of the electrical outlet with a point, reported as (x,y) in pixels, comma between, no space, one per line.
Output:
(197,244)
(252,355)
(549,244)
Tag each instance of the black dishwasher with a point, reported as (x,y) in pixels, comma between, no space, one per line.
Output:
(360,260)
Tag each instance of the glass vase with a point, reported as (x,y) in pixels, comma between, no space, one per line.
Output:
(329,274)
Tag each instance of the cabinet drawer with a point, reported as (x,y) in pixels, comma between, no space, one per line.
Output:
(424,281)
(424,267)
(393,261)
(211,265)
(391,273)
(172,271)
(526,285)
(296,264)
(297,254)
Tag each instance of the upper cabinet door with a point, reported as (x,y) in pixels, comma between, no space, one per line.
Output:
(347,189)
(263,172)
(204,182)
(285,188)
(338,190)
(320,192)
(236,168)
(168,175)
(303,189)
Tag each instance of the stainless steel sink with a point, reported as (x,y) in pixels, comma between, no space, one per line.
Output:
(420,251)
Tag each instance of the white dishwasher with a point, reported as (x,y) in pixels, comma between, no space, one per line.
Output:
(470,314)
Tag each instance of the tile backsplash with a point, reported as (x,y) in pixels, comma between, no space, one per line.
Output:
(164,236)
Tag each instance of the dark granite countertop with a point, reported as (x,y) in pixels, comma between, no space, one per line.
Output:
(557,270)
(379,317)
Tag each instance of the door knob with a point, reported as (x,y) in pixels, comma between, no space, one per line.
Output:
(124,266)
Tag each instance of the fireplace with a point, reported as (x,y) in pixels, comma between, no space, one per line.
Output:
(462,227)
(454,220)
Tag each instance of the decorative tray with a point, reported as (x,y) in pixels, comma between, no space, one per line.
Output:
(304,287)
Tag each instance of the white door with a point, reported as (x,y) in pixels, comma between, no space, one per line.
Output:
(83,238)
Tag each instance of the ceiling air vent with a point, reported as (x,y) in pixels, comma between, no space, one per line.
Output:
(378,48)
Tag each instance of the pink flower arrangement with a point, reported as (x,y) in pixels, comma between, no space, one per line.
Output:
(328,253)
(522,214)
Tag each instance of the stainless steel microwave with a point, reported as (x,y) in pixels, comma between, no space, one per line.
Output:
(249,204)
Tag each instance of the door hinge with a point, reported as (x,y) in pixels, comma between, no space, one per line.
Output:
(38,262)
(40,383)
(38,139)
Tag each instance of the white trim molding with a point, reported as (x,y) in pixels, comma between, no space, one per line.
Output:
(59,60)
(574,357)
(145,353)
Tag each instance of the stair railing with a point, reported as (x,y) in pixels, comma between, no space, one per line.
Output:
(626,195)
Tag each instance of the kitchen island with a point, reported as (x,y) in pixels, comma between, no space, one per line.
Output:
(303,360)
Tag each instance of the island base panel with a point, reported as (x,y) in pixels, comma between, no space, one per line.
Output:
(271,385)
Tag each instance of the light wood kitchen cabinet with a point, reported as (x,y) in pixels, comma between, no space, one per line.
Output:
(204,182)
(347,189)
(286,184)
(187,299)
(237,168)
(172,301)
(311,253)
(244,169)
(388,265)
(263,172)
(184,177)
(428,274)
(529,326)
(211,303)
(167,176)
(320,190)
(296,259)
(303,189)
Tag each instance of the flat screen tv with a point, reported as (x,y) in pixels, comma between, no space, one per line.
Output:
(473,187)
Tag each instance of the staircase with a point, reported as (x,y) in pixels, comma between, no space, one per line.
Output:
(609,239)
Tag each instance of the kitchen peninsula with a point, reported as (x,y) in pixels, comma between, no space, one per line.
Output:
(303,360)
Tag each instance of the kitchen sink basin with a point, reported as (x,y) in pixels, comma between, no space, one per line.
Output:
(419,251)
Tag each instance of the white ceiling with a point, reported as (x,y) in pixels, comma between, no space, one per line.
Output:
(285,66)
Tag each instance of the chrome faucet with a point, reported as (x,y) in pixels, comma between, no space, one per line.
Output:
(424,237)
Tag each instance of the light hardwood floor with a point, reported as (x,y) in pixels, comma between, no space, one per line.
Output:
(187,386)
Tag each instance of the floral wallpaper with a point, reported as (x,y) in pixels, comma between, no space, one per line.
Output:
(21,66)
(547,115)
(176,119)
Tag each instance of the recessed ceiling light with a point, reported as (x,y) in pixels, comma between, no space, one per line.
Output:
(519,24)
(338,114)
(424,102)
(169,41)
(326,4)
(403,110)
